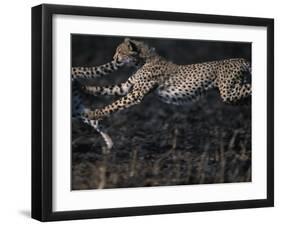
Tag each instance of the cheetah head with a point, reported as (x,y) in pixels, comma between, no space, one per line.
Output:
(133,53)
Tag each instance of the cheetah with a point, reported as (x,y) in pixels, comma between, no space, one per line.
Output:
(172,83)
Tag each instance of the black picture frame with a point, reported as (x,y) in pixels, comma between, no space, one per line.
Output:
(42,111)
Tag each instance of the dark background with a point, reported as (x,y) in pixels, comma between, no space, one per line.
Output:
(157,144)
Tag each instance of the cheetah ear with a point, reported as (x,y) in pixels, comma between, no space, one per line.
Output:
(127,40)
(133,46)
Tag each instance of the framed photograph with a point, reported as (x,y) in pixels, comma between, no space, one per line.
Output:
(147,112)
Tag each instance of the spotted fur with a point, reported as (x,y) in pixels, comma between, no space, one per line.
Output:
(174,84)
(87,73)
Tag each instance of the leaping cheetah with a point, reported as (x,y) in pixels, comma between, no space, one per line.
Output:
(174,84)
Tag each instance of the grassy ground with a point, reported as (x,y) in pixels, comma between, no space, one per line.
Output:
(156,144)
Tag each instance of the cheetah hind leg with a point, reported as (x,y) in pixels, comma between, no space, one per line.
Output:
(95,124)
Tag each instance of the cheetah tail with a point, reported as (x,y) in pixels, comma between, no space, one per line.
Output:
(105,136)
(95,124)
(107,139)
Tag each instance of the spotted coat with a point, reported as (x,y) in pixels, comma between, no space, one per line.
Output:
(172,83)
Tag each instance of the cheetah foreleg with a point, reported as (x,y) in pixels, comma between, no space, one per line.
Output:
(132,98)
(88,73)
